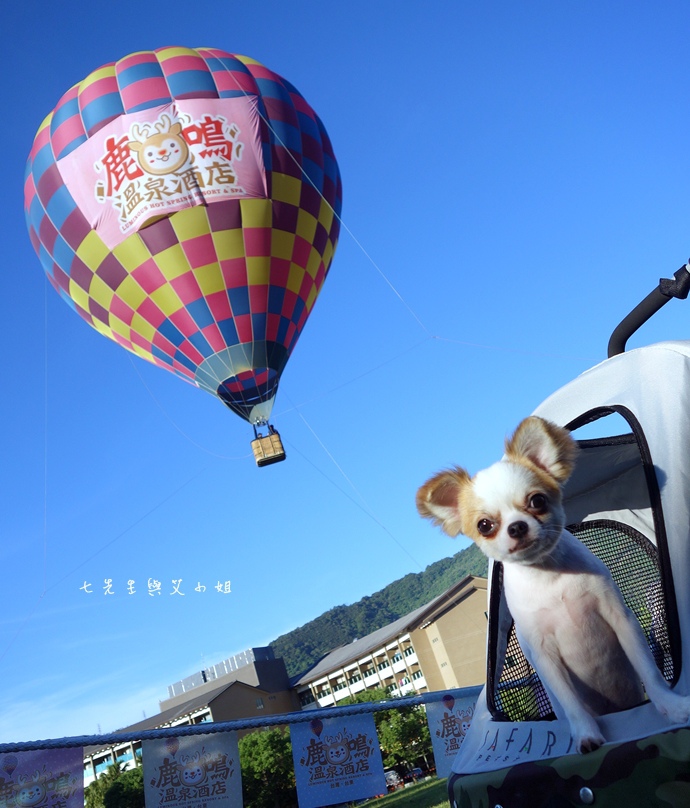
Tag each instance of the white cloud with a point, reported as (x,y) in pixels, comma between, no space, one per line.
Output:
(81,709)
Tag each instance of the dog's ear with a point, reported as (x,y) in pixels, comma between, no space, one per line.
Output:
(548,446)
(438,498)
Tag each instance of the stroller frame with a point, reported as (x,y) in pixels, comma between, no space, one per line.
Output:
(629,501)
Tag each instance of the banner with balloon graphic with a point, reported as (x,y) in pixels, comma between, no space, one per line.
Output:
(337,760)
(163,160)
(51,778)
(198,771)
(449,719)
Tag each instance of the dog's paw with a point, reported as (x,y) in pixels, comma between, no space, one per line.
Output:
(589,743)
(676,708)
(587,736)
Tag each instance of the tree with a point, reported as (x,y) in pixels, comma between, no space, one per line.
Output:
(95,792)
(303,646)
(268,775)
(366,696)
(127,791)
(117,788)
(404,737)
(403,731)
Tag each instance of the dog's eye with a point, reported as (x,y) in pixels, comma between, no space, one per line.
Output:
(486,527)
(538,502)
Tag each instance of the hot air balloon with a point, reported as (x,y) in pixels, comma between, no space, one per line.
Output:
(186,204)
(9,764)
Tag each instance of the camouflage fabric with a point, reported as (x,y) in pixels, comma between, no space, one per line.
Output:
(654,772)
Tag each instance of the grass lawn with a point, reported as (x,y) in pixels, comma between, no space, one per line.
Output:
(427,794)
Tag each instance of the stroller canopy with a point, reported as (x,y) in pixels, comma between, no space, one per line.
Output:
(629,501)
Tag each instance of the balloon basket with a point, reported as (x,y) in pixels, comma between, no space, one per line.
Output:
(268,448)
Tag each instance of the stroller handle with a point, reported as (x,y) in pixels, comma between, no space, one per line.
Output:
(678,286)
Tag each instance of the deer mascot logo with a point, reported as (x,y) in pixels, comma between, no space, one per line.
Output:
(163,151)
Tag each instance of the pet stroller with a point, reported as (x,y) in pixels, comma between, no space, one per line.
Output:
(628,500)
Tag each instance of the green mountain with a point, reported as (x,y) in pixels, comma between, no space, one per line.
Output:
(305,645)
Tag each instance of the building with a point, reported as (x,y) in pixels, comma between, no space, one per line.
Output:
(249,684)
(439,646)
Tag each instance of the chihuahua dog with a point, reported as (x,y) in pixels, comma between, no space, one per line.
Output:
(570,618)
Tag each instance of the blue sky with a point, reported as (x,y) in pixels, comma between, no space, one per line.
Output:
(515,180)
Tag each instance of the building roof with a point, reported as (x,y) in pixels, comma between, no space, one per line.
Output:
(169,716)
(347,654)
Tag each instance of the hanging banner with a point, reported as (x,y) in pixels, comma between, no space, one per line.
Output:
(449,720)
(48,778)
(160,160)
(197,771)
(337,760)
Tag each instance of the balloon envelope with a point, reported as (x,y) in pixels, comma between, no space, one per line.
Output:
(9,764)
(186,204)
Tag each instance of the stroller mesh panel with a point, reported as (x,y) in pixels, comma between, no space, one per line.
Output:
(633,562)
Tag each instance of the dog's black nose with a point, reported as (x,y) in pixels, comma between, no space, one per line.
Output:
(518,530)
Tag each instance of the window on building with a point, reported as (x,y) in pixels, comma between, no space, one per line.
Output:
(102,764)
(259,703)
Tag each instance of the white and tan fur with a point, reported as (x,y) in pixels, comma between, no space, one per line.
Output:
(570,618)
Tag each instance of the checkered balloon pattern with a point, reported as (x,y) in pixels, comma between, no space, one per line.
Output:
(217,293)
